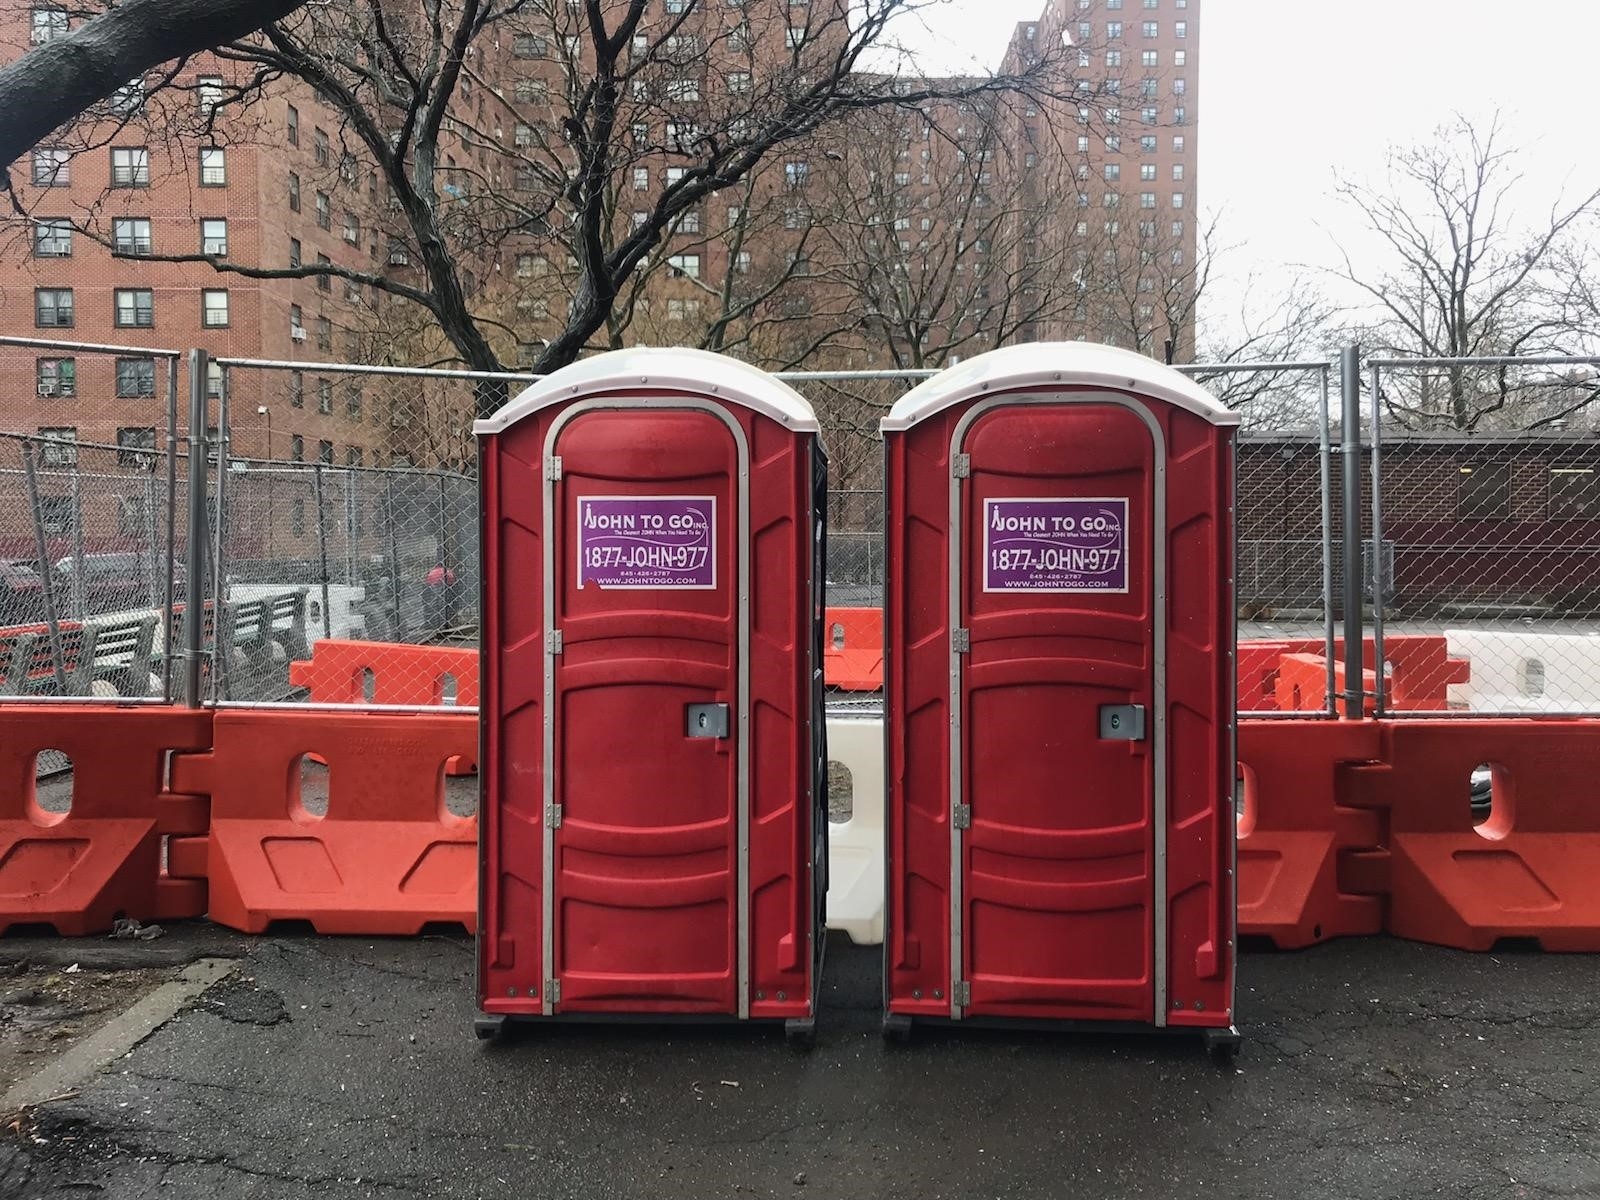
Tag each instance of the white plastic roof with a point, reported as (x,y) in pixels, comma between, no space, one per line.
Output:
(671,370)
(1044,366)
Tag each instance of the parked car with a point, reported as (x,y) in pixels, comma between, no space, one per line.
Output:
(111,582)
(21,594)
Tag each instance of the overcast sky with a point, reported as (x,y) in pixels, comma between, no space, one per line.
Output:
(1289,92)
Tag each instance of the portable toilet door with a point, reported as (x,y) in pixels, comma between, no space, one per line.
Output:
(1059,694)
(652,692)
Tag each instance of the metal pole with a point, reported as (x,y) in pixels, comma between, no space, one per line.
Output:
(394,556)
(350,533)
(172,529)
(1325,455)
(322,547)
(447,584)
(51,622)
(194,560)
(1350,452)
(151,554)
(80,592)
(219,585)
(1377,554)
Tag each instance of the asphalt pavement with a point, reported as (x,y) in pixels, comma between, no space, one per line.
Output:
(328,1067)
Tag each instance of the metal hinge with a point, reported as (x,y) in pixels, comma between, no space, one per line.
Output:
(961,990)
(552,816)
(552,641)
(961,641)
(552,468)
(961,466)
(552,990)
(963,816)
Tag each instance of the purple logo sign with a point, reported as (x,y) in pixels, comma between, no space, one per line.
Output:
(647,541)
(1055,545)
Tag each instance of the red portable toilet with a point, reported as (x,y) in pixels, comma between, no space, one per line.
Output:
(652,819)
(1059,695)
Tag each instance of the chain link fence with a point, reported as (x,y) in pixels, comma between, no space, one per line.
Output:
(93,523)
(1485,532)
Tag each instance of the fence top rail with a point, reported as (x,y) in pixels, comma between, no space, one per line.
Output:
(1252,367)
(846,376)
(1491,360)
(333,368)
(90,347)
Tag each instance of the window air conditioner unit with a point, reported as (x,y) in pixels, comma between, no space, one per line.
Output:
(39,37)
(47,389)
(297,333)
(215,246)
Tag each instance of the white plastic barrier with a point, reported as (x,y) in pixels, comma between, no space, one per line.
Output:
(1515,672)
(855,847)
(344,621)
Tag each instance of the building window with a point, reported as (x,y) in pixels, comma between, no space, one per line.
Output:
(1177,143)
(130,235)
(796,173)
(297,389)
(1083,143)
(1177,199)
(136,446)
(294,192)
(1177,229)
(641,179)
(208,92)
(1179,87)
(1113,58)
(130,166)
(52,168)
(325,281)
(136,378)
(1147,199)
(1150,58)
(1149,115)
(297,325)
(48,25)
(741,263)
(1112,199)
(325,452)
(522,135)
(1152,29)
(739,83)
(325,396)
(687,265)
(1573,494)
(214,237)
(352,229)
(526,45)
(135,308)
(324,334)
(294,126)
(683,88)
(1483,491)
(319,146)
(353,456)
(1113,171)
(352,400)
(399,256)
(347,166)
(1147,144)
(52,308)
(1149,89)
(530,90)
(1113,116)
(52,238)
(214,308)
(1177,171)
(1147,171)
(1180,116)
(689,222)
(297,453)
(1180,58)
(60,448)
(213,167)
(1113,30)
(1181,29)
(324,211)
(56,376)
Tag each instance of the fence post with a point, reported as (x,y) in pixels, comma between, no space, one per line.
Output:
(52,622)
(394,555)
(219,582)
(1325,470)
(1350,452)
(80,589)
(322,547)
(172,530)
(1378,688)
(194,550)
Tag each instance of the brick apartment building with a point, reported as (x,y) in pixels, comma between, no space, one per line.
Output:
(946,227)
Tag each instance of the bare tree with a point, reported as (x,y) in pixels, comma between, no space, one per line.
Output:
(697,99)
(1463,273)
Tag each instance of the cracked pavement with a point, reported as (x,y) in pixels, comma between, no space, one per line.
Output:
(347,1068)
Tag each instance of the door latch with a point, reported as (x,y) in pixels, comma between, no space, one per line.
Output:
(706,721)
(1122,722)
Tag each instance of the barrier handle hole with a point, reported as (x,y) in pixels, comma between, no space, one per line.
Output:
(309,786)
(841,794)
(53,783)
(1492,800)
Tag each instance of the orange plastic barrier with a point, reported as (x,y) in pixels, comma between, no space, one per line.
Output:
(387,857)
(1258,675)
(1530,870)
(340,672)
(1302,876)
(852,649)
(79,870)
